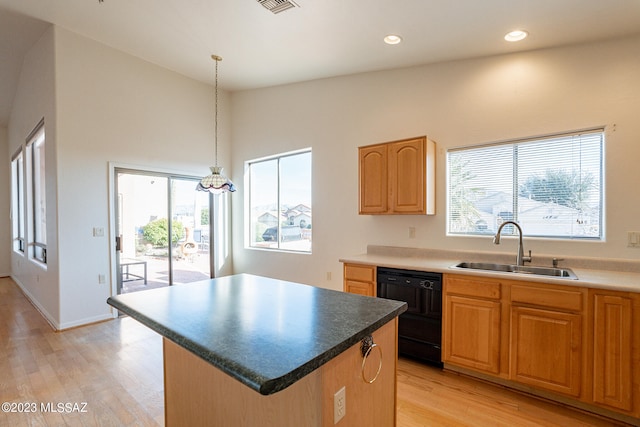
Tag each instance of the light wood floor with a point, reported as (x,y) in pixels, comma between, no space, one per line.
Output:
(115,367)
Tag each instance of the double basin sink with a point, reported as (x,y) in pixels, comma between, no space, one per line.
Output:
(563,273)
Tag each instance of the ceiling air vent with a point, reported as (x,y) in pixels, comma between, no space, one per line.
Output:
(277,6)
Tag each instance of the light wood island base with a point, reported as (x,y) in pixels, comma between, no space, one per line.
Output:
(198,394)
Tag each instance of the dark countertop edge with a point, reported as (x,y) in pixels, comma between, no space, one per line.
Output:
(180,340)
(268,386)
(278,384)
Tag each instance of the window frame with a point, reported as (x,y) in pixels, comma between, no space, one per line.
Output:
(36,147)
(250,243)
(18,201)
(517,178)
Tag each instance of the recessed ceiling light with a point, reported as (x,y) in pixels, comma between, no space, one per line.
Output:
(516,35)
(392,39)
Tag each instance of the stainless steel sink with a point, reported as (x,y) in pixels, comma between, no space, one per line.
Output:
(564,273)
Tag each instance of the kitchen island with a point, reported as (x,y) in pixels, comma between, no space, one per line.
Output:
(246,350)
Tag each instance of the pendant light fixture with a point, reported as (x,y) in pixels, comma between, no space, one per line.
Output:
(216,183)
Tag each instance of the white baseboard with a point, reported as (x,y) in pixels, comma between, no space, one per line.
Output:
(66,325)
(86,321)
(48,317)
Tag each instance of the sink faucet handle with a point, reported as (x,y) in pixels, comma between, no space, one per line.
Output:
(555,261)
(527,258)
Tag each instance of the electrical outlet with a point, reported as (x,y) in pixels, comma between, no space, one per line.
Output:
(633,239)
(328,276)
(98,232)
(412,232)
(101,279)
(339,405)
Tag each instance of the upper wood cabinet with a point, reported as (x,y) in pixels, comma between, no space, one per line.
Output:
(373,179)
(397,177)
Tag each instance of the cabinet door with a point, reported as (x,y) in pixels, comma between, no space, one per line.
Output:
(612,351)
(472,333)
(546,349)
(407,176)
(373,179)
(360,288)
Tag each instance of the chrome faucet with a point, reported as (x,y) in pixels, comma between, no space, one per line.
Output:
(520,259)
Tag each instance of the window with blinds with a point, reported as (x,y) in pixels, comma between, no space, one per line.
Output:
(551,186)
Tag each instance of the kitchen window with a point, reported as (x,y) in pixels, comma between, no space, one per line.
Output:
(552,186)
(280,202)
(17,201)
(36,147)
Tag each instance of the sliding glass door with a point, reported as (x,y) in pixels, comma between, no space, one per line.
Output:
(190,210)
(162,230)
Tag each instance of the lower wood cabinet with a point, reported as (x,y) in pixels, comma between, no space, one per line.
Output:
(616,342)
(360,279)
(471,327)
(568,343)
(546,349)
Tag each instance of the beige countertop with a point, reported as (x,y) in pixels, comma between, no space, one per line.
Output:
(612,274)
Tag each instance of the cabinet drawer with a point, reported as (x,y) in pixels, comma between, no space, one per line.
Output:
(362,273)
(360,288)
(472,286)
(564,299)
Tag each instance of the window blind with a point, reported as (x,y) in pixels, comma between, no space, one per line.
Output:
(551,186)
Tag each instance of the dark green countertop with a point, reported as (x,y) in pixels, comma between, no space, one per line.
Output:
(266,333)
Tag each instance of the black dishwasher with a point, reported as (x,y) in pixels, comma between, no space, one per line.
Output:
(420,327)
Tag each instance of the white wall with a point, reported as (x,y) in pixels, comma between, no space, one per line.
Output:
(456,104)
(101,107)
(113,107)
(5,193)
(34,100)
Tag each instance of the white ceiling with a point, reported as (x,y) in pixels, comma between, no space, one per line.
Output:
(321,38)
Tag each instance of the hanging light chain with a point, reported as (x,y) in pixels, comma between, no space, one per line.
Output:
(215,132)
(216,183)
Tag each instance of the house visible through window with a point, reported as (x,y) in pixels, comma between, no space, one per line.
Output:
(35,143)
(17,201)
(280,202)
(551,186)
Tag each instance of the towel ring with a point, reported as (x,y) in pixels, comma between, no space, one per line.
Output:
(366,347)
